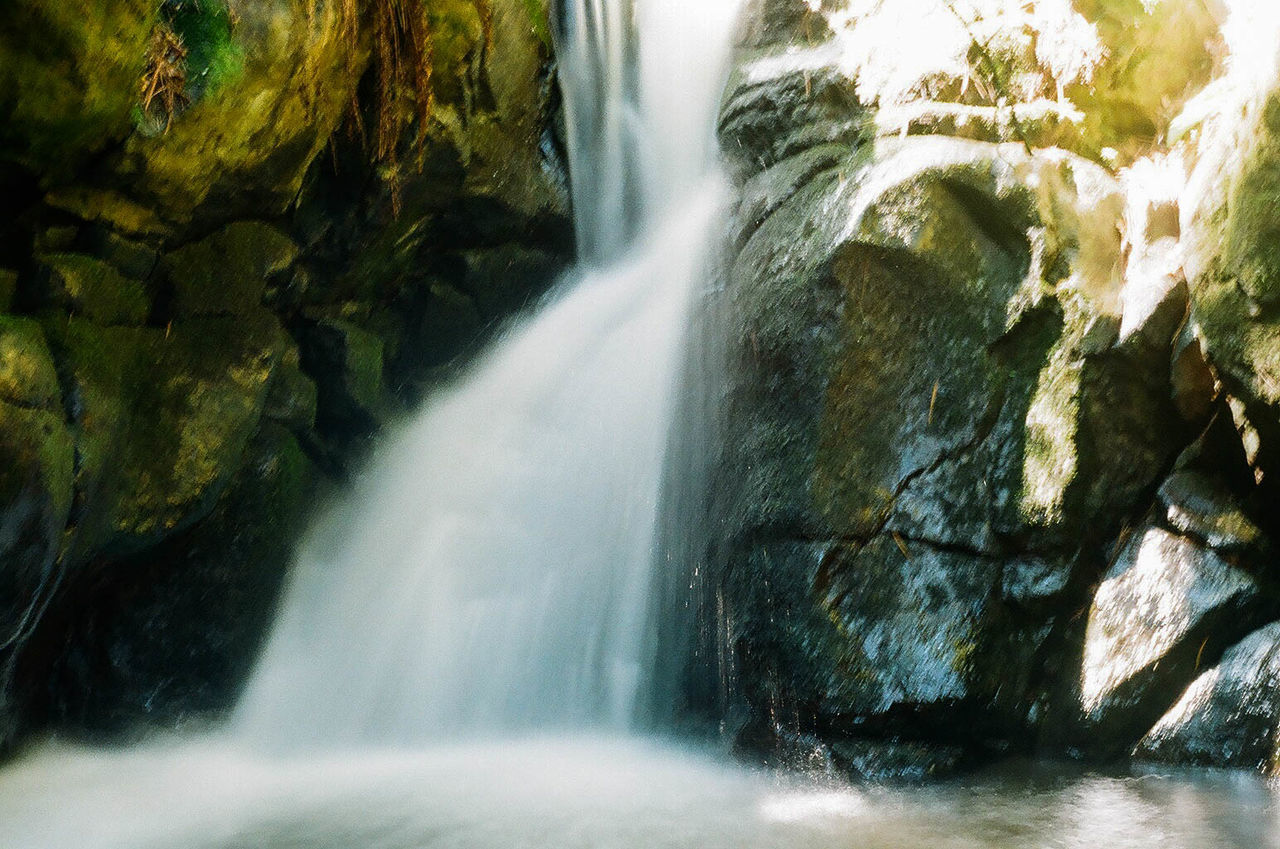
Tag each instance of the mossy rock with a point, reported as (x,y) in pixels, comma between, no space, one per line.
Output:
(161,419)
(27,374)
(169,635)
(89,287)
(109,208)
(131,258)
(227,273)
(292,398)
(1232,258)
(347,362)
(69,74)
(36,457)
(260,127)
(8,288)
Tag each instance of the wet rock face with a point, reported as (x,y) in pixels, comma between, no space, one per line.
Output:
(36,459)
(927,387)
(962,372)
(1162,607)
(1230,714)
(203,320)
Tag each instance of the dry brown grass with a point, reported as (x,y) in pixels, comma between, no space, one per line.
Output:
(399,34)
(164,82)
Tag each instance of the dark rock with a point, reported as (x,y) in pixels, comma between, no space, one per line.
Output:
(131,258)
(1198,507)
(782,22)
(68,79)
(168,636)
(1165,606)
(8,288)
(55,239)
(292,396)
(779,106)
(1032,581)
(885,760)
(86,286)
(227,273)
(109,209)
(1230,714)
(955,431)
(910,625)
(1194,386)
(36,456)
(499,280)
(347,363)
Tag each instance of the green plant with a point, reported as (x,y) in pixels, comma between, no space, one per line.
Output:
(206,28)
(538,21)
(191,52)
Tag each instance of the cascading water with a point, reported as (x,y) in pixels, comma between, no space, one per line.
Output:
(492,577)
(493,571)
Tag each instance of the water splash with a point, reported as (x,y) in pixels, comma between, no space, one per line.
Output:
(492,573)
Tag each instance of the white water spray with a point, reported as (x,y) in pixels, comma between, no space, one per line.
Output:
(492,573)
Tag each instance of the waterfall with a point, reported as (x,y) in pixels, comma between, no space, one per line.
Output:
(492,571)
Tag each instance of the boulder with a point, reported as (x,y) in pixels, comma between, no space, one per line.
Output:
(1229,716)
(268,84)
(227,273)
(160,419)
(69,74)
(781,105)
(1197,506)
(1230,237)
(347,361)
(90,287)
(171,635)
(1165,606)
(944,402)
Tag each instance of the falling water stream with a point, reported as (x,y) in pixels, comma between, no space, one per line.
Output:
(465,647)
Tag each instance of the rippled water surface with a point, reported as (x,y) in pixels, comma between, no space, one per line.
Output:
(603,794)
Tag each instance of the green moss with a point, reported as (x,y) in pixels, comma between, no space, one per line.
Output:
(362,365)
(27,373)
(163,418)
(69,72)
(36,451)
(226,273)
(260,127)
(36,456)
(109,208)
(538,21)
(1049,461)
(84,285)
(213,57)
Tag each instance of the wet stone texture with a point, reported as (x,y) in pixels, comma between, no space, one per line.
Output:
(955,500)
(1163,607)
(1229,715)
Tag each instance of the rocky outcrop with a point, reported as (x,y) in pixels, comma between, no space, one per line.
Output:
(978,487)
(214,292)
(1229,716)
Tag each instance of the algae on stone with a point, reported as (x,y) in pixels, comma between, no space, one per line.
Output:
(162,418)
(89,287)
(226,273)
(69,73)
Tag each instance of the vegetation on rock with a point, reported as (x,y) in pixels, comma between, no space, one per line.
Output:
(205,297)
